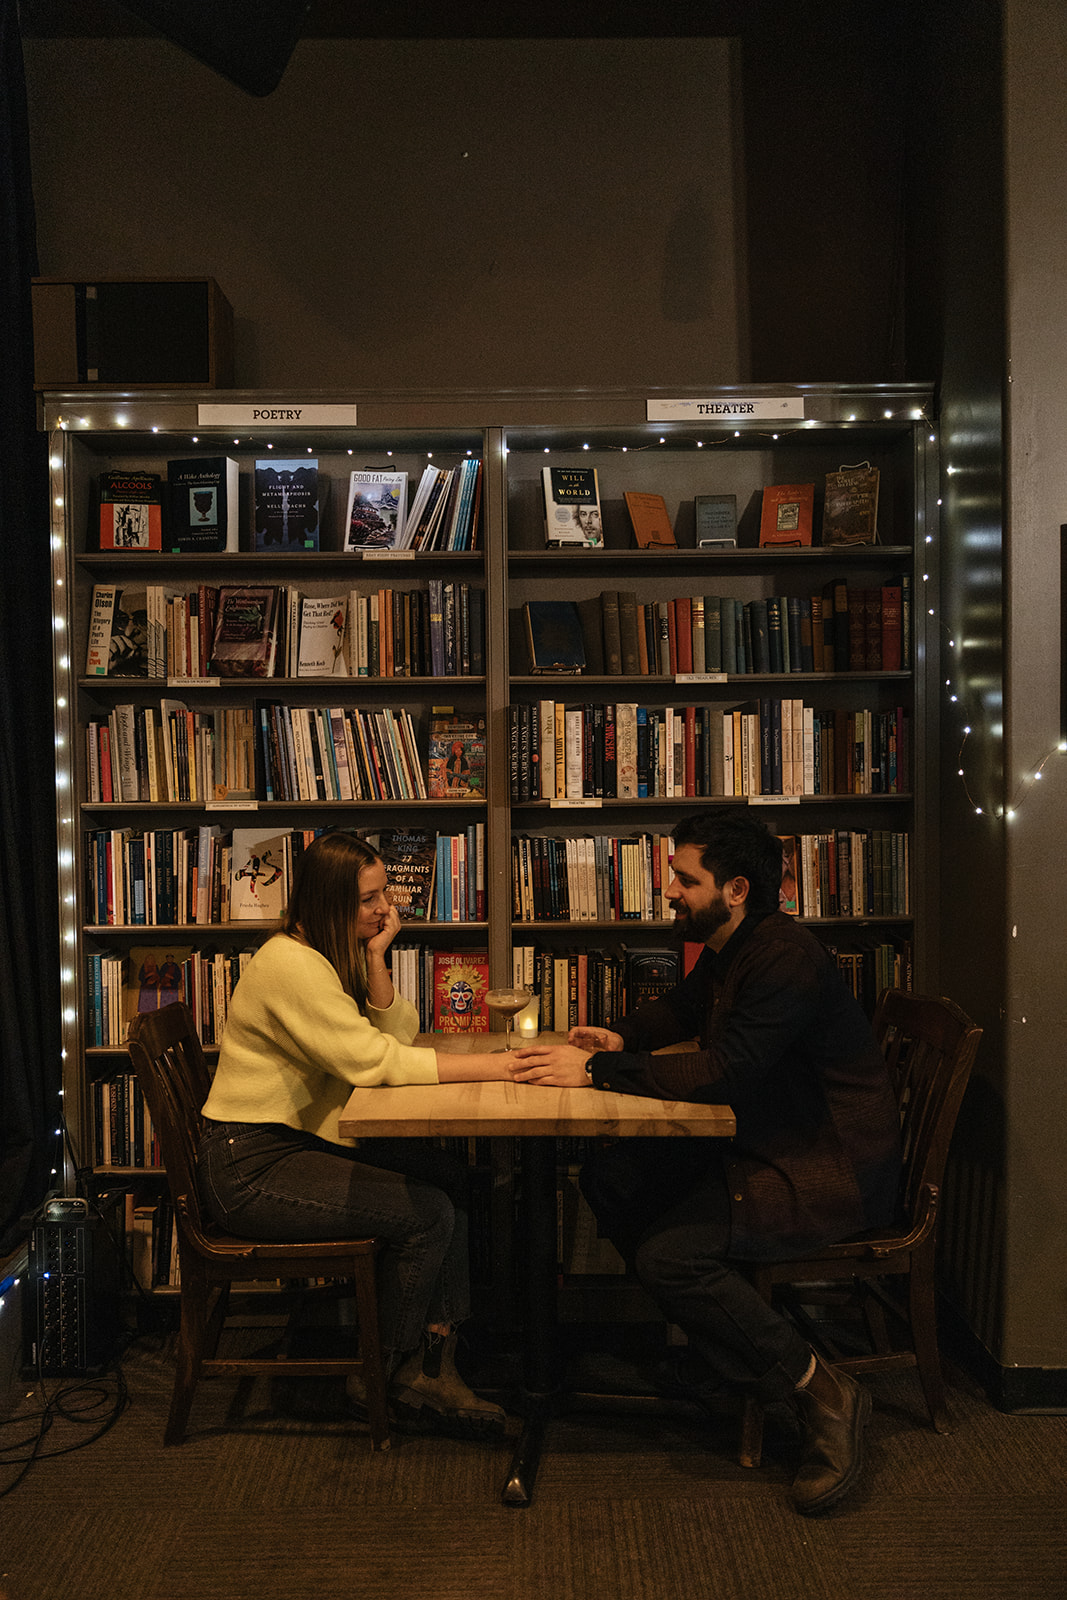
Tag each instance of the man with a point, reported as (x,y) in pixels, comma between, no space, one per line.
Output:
(815,1159)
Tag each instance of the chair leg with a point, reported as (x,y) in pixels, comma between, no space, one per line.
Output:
(192,1335)
(370,1344)
(922,1309)
(751,1450)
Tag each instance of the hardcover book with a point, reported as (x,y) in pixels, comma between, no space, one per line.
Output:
(286,504)
(456,763)
(131,511)
(787,514)
(245,637)
(377,503)
(321,652)
(850,512)
(572,506)
(258,889)
(202,504)
(410,857)
(651,524)
(554,639)
(460,982)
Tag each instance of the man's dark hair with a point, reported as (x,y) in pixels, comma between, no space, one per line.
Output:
(734,844)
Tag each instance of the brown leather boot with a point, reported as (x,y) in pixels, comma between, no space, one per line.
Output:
(428,1382)
(833,1411)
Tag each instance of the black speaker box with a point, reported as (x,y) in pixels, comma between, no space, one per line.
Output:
(70,1301)
(132,332)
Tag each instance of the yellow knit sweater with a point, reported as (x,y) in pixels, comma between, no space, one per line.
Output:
(296,1043)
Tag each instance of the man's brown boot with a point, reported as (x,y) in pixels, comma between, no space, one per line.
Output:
(833,1411)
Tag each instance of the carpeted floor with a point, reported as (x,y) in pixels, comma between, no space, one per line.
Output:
(287,1504)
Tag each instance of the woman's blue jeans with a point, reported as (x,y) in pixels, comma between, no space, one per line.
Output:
(267,1181)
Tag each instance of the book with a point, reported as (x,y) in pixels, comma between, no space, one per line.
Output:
(245,636)
(156,977)
(460,983)
(410,857)
(128,644)
(554,640)
(650,974)
(101,613)
(258,888)
(321,651)
(377,506)
(202,505)
(286,504)
(648,516)
(456,759)
(786,516)
(572,506)
(715,519)
(131,511)
(850,510)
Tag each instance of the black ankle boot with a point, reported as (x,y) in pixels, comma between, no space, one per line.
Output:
(833,1411)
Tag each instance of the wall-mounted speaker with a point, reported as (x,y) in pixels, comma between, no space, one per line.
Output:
(147,332)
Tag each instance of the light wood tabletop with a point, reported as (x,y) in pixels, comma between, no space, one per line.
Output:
(500,1107)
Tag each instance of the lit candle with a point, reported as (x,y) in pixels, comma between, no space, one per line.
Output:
(526,1022)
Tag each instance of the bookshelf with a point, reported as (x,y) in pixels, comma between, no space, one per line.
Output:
(515,434)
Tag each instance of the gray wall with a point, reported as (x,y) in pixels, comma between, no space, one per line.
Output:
(421,212)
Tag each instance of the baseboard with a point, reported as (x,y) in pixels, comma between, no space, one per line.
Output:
(1010,1389)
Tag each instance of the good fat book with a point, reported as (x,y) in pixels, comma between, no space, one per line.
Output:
(202,497)
(286,504)
(377,504)
(131,511)
(456,761)
(460,983)
(572,506)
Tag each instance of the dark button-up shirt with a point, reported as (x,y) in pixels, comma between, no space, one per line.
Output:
(816,1156)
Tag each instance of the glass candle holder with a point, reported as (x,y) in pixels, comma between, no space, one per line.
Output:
(527,1022)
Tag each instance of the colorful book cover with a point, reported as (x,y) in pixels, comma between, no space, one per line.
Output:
(131,511)
(460,983)
(286,504)
(456,765)
(377,503)
(410,857)
(245,637)
(572,506)
(786,514)
(321,652)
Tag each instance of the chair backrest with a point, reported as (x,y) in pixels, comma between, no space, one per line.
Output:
(929,1045)
(174,1079)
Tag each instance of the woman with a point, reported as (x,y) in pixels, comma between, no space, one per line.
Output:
(315,1014)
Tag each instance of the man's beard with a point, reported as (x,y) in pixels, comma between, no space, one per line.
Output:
(698,926)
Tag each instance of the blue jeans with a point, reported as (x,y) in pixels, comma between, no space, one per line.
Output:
(665,1206)
(267,1181)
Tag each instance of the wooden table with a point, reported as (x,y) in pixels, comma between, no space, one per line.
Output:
(536,1115)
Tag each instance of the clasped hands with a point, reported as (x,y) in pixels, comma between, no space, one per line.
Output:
(562,1066)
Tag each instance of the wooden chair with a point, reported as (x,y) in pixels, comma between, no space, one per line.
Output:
(930,1046)
(173,1076)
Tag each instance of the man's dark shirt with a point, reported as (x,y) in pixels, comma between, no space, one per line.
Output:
(816,1156)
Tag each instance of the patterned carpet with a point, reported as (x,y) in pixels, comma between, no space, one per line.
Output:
(290,1503)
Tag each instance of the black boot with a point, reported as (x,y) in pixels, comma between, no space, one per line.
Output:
(833,1411)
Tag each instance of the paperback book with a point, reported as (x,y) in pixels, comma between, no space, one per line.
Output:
(286,505)
(572,506)
(460,983)
(456,764)
(245,638)
(650,521)
(127,654)
(321,652)
(202,497)
(410,857)
(131,511)
(554,639)
(257,882)
(377,502)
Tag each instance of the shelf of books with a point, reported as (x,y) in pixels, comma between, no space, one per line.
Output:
(512,637)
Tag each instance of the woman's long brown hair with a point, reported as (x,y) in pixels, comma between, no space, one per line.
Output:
(324,905)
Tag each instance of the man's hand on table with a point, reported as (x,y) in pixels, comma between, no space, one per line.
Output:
(563,1066)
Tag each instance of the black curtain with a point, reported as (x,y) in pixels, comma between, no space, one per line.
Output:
(29,934)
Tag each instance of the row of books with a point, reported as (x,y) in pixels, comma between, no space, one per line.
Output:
(840,629)
(280,752)
(199,877)
(625,751)
(590,878)
(119,987)
(275,630)
(197,508)
(849,873)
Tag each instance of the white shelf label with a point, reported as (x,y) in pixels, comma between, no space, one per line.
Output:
(570,805)
(700,677)
(774,799)
(232,805)
(193,683)
(264,415)
(720,408)
(385,555)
